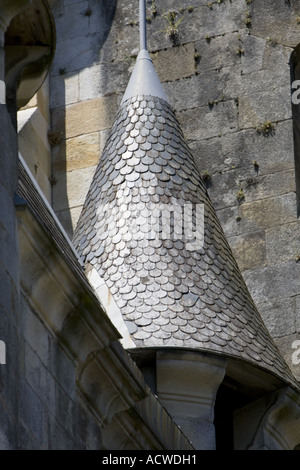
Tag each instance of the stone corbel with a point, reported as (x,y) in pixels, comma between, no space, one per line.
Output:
(9,9)
(103,381)
(187,384)
(270,423)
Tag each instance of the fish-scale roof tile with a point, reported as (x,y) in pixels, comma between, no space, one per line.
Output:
(174,296)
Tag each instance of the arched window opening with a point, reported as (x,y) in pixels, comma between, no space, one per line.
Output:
(228,399)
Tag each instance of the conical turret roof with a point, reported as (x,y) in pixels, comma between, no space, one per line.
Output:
(171,292)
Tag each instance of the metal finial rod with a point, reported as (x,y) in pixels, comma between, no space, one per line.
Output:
(143,35)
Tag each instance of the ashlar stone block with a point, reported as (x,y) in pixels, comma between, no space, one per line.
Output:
(68,193)
(85,117)
(255,110)
(277,322)
(175,63)
(221,119)
(273,282)
(249,249)
(268,212)
(283,243)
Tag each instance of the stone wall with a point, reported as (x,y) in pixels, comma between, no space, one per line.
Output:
(34,138)
(225,68)
(77,387)
(52,414)
(9,260)
(9,283)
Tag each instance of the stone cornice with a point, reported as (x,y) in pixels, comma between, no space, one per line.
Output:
(106,377)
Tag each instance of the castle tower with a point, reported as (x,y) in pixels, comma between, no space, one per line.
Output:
(148,229)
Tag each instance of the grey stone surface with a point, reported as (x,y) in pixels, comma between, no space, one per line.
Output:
(9,280)
(280,281)
(260,187)
(276,19)
(64,90)
(223,49)
(63,367)
(33,414)
(283,243)
(253,55)
(203,20)
(78,193)
(38,375)
(256,109)
(191,93)
(221,119)
(178,62)
(277,323)
(101,80)
(77,21)
(7,219)
(274,153)
(59,439)
(70,59)
(265,213)
(249,250)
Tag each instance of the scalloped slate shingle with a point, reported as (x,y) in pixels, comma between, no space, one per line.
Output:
(168,295)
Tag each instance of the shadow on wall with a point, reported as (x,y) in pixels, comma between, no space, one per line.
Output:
(74,53)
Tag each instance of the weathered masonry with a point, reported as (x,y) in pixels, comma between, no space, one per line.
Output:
(118,335)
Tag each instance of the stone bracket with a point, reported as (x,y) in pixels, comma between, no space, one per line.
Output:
(273,422)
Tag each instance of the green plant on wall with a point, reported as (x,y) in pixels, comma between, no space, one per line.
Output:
(247,20)
(171,29)
(153,9)
(220,99)
(271,41)
(240,195)
(267,128)
(197,57)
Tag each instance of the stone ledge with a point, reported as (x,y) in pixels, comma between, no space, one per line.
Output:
(105,375)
